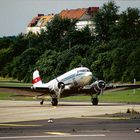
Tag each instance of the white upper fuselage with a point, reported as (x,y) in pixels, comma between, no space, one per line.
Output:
(77,77)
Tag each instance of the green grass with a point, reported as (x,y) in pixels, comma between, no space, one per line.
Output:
(5,96)
(8,83)
(8,79)
(12,96)
(125,96)
(12,82)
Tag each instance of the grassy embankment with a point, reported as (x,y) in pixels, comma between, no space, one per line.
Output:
(10,95)
(124,96)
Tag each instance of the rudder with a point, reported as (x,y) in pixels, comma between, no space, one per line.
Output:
(37,82)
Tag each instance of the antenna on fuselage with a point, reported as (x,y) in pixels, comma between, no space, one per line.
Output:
(80,65)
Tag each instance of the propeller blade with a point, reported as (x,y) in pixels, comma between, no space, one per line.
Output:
(102,91)
(59,92)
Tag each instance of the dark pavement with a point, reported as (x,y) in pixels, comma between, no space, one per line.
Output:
(72,128)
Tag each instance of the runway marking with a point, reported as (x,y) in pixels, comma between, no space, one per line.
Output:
(57,133)
(54,107)
(18,125)
(52,136)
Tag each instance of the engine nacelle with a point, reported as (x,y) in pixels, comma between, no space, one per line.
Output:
(61,85)
(98,86)
(58,86)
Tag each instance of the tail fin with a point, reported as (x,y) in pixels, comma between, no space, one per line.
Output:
(36,79)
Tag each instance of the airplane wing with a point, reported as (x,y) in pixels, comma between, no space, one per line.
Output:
(39,91)
(25,90)
(89,90)
(125,86)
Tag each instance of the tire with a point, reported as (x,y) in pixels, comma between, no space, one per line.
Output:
(94,101)
(41,103)
(54,102)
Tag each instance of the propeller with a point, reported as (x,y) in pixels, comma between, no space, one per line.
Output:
(59,92)
(98,85)
(60,86)
(101,85)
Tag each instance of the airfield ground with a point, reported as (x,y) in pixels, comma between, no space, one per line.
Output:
(28,120)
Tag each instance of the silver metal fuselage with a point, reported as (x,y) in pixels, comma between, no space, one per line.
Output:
(77,77)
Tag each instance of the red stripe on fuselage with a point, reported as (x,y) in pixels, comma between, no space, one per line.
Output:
(36,80)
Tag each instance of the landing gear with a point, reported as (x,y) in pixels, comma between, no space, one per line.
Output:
(42,101)
(54,101)
(94,101)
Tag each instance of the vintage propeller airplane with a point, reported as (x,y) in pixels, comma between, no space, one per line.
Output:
(73,82)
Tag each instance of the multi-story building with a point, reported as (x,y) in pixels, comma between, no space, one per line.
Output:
(83,16)
(39,23)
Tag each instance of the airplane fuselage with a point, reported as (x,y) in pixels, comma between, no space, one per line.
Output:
(77,77)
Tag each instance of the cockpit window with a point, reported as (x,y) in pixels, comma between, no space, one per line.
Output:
(84,70)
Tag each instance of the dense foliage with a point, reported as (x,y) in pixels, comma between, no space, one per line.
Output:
(111,51)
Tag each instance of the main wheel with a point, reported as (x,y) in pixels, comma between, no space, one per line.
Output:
(94,101)
(54,102)
(42,101)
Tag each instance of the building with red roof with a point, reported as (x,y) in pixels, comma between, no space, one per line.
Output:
(39,23)
(84,17)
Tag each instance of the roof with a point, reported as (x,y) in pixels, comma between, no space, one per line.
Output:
(73,14)
(35,20)
(41,20)
(44,19)
(78,13)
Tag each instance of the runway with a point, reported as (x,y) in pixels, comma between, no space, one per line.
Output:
(17,111)
(70,120)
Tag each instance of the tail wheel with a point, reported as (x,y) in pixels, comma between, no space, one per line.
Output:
(94,101)
(54,101)
(42,101)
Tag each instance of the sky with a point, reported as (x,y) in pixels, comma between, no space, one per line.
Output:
(16,14)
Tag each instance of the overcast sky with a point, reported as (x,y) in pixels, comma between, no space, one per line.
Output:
(16,14)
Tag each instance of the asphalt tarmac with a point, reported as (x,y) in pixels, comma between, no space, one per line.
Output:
(26,120)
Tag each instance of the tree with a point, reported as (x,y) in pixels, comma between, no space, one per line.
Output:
(132,63)
(19,45)
(47,64)
(5,57)
(104,19)
(112,54)
(128,25)
(5,42)
(57,30)
(21,67)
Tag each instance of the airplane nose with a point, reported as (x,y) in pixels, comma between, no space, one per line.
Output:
(89,75)
(84,78)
